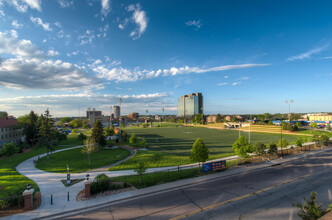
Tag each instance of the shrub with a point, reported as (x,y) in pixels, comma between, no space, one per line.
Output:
(81,137)
(9,149)
(242,147)
(284,143)
(299,142)
(14,198)
(102,184)
(133,139)
(273,149)
(260,148)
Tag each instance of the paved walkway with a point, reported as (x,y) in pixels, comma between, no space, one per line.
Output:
(49,184)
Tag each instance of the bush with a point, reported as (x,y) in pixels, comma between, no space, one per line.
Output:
(284,143)
(133,139)
(81,137)
(14,199)
(273,149)
(299,142)
(260,148)
(102,184)
(9,149)
(242,147)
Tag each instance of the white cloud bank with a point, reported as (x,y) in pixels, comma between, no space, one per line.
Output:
(68,104)
(307,54)
(23,5)
(105,7)
(31,70)
(124,75)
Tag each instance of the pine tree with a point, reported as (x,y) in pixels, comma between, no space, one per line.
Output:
(97,135)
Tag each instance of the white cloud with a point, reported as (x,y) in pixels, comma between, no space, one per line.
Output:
(307,54)
(87,37)
(244,78)
(22,48)
(16,24)
(235,83)
(34,4)
(30,70)
(44,41)
(226,77)
(2,13)
(139,17)
(123,25)
(121,74)
(38,21)
(222,84)
(67,104)
(23,5)
(105,7)
(13,33)
(65,4)
(52,53)
(196,23)
(58,24)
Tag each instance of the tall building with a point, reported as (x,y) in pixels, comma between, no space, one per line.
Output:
(116,111)
(93,116)
(190,105)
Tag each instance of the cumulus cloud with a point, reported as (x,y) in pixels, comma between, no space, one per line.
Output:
(139,17)
(65,3)
(307,54)
(13,33)
(20,48)
(30,70)
(52,53)
(38,21)
(105,7)
(16,24)
(23,5)
(68,104)
(121,74)
(195,23)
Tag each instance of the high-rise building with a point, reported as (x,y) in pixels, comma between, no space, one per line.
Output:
(116,111)
(190,105)
(93,116)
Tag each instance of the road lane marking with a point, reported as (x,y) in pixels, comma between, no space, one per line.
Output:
(237,198)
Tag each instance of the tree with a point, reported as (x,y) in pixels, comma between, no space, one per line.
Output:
(97,135)
(140,170)
(260,148)
(9,149)
(324,139)
(109,131)
(218,118)
(65,119)
(89,148)
(298,124)
(29,123)
(314,125)
(133,139)
(47,132)
(199,152)
(273,149)
(270,123)
(310,210)
(198,119)
(328,127)
(76,123)
(124,135)
(284,143)
(85,123)
(242,147)
(81,137)
(3,114)
(299,142)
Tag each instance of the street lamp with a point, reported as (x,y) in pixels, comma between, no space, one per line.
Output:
(289,102)
(87,176)
(28,186)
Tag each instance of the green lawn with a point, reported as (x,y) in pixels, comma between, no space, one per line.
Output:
(315,132)
(71,140)
(78,162)
(10,179)
(172,145)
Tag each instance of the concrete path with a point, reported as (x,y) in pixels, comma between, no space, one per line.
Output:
(49,184)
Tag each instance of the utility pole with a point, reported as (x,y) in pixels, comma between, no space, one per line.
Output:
(282,152)
(289,102)
(120,100)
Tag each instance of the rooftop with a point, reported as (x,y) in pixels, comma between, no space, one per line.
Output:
(7,122)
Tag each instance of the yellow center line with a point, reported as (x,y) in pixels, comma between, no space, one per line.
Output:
(237,198)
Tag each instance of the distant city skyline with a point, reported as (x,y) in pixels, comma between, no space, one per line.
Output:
(244,57)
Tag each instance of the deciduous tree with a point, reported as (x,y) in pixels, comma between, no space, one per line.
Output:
(199,151)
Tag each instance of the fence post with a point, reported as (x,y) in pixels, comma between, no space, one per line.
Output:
(87,184)
(68,196)
(51,199)
(28,199)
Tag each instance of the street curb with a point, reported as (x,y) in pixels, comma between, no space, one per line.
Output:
(181,183)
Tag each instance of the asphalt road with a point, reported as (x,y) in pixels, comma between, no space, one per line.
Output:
(263,194)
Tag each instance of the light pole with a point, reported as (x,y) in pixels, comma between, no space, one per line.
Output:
(120,100)
(289,102)
(249,132)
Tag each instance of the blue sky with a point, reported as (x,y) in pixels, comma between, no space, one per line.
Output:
(244,56)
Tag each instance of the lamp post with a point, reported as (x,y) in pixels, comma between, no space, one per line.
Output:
(68,175)
(120,120)
(289,102)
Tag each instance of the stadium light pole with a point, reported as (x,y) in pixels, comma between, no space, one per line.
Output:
(289,102)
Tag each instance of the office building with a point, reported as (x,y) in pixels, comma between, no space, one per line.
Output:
(116,111)
(93,116)
(133,115)
(190,105)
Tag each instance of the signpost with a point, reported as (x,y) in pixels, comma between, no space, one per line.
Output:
(214,166)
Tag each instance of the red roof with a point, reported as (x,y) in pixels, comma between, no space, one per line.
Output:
(7,122)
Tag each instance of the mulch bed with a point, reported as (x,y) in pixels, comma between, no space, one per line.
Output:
(80,196)
(16,210)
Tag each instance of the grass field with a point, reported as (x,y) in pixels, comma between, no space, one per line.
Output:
(78,162)
(171,146)
(10,179)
